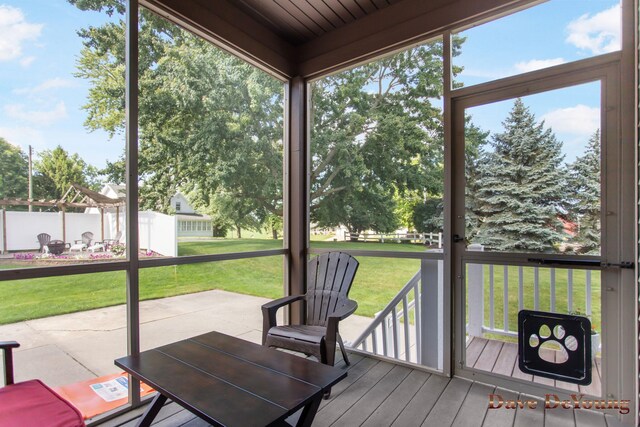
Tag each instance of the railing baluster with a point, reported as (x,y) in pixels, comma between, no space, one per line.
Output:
(407,320)
(364,345)
(588,296)
(418,320)
(520,288)
(505,299)
(384,337)
(394,324)
(491,320)
(552,291)
(536,288)
(374,341)
(569,290)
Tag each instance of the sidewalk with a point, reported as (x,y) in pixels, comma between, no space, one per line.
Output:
(75,347)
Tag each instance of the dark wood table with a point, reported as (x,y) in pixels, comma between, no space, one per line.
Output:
(227,381)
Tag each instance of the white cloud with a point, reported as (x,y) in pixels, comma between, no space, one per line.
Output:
(27,60)
(537,64)
(18,112)
(14,31)
(23,137)
(49,84)
(599,33)
(579,120)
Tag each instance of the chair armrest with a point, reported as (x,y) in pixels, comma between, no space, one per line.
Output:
(349,307)
(281,302)
(346,310)
(8,346)
(269,313)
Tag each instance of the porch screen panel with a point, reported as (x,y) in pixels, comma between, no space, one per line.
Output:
(70,329)
(533,173)
(376,154)
(226,296)
(61,152)
(543,35)
(211,147)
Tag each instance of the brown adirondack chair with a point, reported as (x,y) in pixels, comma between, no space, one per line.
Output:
(329,280)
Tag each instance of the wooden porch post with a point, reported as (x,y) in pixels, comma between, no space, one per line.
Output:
(297,201)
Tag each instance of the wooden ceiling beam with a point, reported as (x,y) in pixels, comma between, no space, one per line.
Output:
(398,25)
(232,29)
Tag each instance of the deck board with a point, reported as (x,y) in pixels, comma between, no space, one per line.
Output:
(379,393)
(502,358)
(444,412)
(419,407)
(386,414)
(364,408)
(475,406)
(352,394)
(499,417)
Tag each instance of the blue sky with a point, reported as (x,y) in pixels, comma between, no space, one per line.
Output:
(549,34)
(41,101)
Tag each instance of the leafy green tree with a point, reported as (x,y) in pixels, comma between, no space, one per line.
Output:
(521,187)
(14,171)
(377,137)
(55,171)
(584,193)
(210,124)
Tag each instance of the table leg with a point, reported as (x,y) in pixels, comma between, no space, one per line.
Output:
(152,411)
(309,412)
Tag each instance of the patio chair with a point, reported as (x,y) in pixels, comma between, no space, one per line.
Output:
(83,243)
(115,241)
(44,239)
(31,403)
(330,277)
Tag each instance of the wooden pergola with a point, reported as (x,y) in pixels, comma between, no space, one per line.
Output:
(76,196)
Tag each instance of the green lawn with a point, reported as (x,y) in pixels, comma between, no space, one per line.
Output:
(377,281)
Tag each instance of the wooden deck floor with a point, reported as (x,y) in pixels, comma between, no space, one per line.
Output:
(378,393)
(502,358)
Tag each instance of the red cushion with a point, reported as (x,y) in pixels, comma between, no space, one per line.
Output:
(31,403)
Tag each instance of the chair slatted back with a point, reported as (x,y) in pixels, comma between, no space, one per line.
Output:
(329,279)
(43,239)
(87,238)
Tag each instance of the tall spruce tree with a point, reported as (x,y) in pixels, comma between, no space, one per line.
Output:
(520,186)
(584,204)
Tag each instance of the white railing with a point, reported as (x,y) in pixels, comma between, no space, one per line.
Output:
(478,287)
(399,331)
(431,239)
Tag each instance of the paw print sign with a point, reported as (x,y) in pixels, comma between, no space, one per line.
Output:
(556,346)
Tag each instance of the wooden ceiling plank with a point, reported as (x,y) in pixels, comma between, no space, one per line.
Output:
(339,9)
(380,4)
(353,8)
(328,13)
(283,22)
(367,6)
(313,14)
(297,14)
(275,21)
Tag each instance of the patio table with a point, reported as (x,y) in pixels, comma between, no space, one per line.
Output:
(227,381)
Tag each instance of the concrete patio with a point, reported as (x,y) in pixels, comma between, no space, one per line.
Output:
(75,347)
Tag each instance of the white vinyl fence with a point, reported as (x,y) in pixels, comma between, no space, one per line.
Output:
(19,233)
